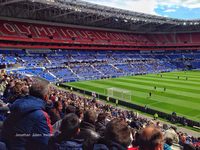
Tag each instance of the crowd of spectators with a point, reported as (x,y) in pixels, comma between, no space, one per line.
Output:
(61,65)
(37,116)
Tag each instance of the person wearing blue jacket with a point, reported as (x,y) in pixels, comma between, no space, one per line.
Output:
(28,126)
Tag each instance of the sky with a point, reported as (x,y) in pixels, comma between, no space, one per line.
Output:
(180,9)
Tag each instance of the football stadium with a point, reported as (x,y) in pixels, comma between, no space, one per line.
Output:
(75,75)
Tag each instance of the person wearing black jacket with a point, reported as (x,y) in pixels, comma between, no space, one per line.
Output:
(69,129)
(117,136)
(87,130)
(101,124)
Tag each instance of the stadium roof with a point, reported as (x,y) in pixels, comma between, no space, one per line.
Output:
(78,12)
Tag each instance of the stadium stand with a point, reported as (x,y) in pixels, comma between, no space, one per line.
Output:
(20,33)
(61,65)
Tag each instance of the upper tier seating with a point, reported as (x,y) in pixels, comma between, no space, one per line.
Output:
(40,33)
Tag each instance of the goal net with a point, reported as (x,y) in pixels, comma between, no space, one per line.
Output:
(120,94)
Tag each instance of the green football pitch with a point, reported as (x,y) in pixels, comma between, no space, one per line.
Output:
(182,93)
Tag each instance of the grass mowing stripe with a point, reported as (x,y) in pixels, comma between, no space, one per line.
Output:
(140,101)
(183,75)
(181,95)
(174,78)
(177,82)
(167,84)
(189,113)
(171,99)
(192,72)
(160,85)
(89,87)
(92,86)
(108,85)
(174,93)
(169,90)
(143,94)
(195,74)
(152,103)
(145,88)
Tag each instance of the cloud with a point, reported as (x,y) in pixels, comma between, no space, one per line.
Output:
(149,6)
(180,3)
(144,6)
(169,10)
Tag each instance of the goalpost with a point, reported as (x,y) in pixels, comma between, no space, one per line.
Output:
(120,94)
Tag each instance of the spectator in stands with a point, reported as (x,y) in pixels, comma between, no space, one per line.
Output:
(80,113)
(188,147)
(135,123)
(134,136)
(3,85)
(87,131)
(7,92)
(70,127)
(117,136)
(18,90)
(100,124)
(70,109)
(150,138)
(171,133)
(4,109)
(53,97)
(168,143)
(56,112)
(56,126)
(28,126)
